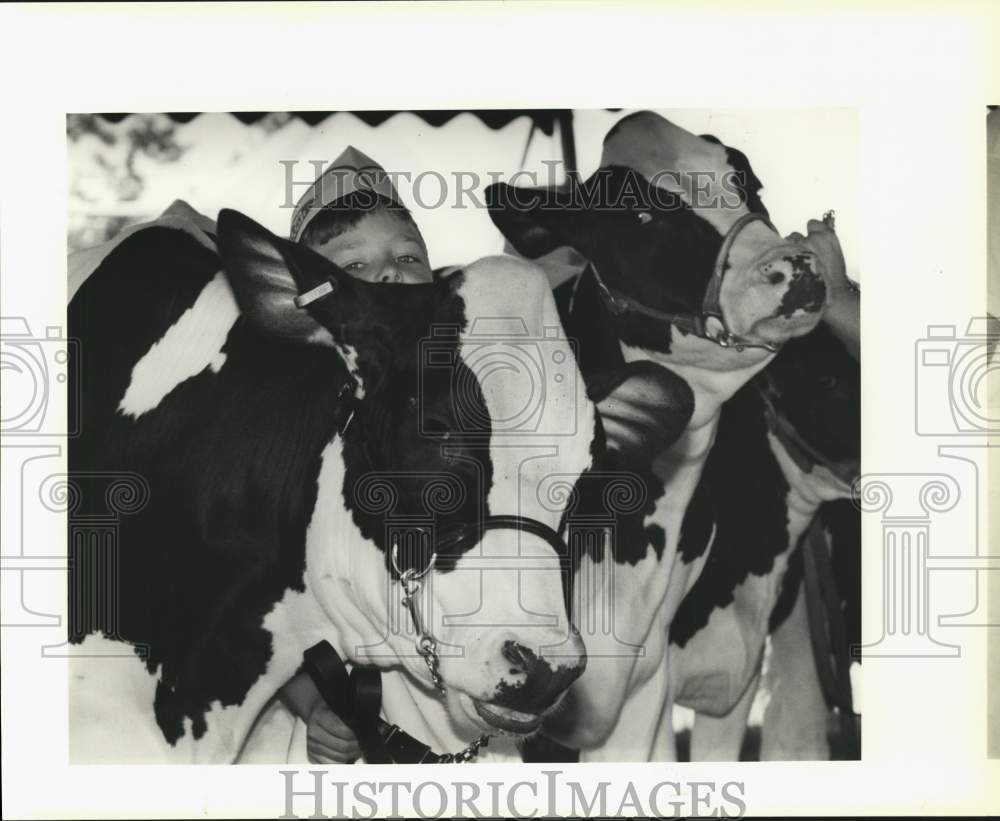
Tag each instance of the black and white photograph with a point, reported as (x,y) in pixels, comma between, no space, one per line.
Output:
(500,477)
(444,384)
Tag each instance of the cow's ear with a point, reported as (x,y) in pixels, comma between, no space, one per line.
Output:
(274,279)
(521,216)
(644,409)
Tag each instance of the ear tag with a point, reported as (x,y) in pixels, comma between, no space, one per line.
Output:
(313,294)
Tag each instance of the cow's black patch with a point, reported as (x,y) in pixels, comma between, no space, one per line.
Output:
(231,461)
(541,683)
(806,290)
(621,490)
(232,458)
(747,491)
(700,517)
(842,523)
(419,453)
(819,391)
(657,537)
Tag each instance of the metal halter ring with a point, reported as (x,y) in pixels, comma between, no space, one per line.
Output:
(410,580)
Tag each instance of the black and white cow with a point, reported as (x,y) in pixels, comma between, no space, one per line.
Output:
(700,283)
(289,424)
(787,450)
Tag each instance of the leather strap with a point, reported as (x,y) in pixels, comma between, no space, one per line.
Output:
(710,305)
(455,539)
(831,651)
(710,324)
(356,698)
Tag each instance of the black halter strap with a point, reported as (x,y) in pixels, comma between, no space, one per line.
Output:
(356,697)
(710,323)
(467,533)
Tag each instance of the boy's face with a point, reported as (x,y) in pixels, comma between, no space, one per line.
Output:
(381,247)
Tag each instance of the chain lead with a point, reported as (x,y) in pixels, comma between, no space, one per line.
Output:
(409,579)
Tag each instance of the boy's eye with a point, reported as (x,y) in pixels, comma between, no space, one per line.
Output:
(408,259)
(354,266)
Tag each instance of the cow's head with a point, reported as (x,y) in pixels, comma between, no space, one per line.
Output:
(653,220)
(457,401)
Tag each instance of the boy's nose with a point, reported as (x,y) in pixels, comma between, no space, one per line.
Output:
(390,273)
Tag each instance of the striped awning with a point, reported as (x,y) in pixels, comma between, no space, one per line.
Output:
(545,119)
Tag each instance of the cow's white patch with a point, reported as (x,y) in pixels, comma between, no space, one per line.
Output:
(111,717)
(350,356)
(542,429)
(190,345)
(807,489)
(713,373)
(542,421)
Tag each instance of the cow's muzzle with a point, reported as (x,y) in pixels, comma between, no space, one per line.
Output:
(536,685)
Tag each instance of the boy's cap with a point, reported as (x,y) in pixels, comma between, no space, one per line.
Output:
(352,171)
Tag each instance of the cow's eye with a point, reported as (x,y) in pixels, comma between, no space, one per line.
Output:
(644,217)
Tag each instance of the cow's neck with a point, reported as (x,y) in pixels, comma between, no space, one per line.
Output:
(714,375)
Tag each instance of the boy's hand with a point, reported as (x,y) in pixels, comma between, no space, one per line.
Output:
(328,739)
(843,311)
(822,240)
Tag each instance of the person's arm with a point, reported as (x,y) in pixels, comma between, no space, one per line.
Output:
(843,317)
(329,740)
(843,312)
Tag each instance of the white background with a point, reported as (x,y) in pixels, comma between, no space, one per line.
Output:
(919,84)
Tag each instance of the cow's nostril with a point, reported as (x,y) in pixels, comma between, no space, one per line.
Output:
(544,680)
(518,655)
(776,277)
